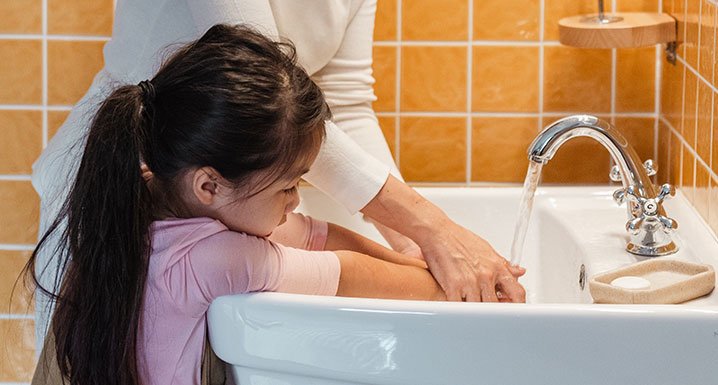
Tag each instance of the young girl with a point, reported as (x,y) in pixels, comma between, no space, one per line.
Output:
(224,132)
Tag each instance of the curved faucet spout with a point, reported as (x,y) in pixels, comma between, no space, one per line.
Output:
(647,221)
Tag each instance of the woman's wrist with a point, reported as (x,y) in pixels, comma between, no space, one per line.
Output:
(401,208)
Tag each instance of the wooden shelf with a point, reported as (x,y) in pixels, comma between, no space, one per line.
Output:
(637,29)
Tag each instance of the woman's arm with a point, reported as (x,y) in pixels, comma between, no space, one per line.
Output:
(364,276)
(465,265)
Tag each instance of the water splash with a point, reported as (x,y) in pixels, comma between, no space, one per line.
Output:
(524,216)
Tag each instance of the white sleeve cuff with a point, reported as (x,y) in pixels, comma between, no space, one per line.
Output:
(345,172)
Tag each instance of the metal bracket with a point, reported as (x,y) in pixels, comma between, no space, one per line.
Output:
(671,52)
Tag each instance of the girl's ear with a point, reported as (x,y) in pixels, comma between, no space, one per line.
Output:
(204,185)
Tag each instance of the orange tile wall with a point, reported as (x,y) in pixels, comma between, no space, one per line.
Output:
(688,129)
(463,86)
(49,52)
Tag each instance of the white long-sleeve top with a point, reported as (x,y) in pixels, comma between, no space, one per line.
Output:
(334,44)
(333,39)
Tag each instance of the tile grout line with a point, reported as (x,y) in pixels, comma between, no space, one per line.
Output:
(15,178)
(9,36)
(695,124)
(397,96)
(444,114)
(657,86)
(16,316)
(542,23)
(34,107)
(614,61)
(469,89)
(460,43)
(44,75)
(17,247)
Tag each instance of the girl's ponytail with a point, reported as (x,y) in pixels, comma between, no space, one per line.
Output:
(105,246)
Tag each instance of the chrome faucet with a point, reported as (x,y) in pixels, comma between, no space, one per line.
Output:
(648,226)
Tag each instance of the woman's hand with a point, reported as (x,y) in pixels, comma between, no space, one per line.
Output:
(468,268)
(464,264)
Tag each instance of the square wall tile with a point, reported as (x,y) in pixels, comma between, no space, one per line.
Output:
(55,120)
(20,206)
(703,122)
(384,68)
(80,17)
(702,192)
(498,148)
(555,10)
(690,45)
(636,80)
(707,36)
(679,13)
(687,175)
(435,20)
(714,145)
(21,72)
(667,6)
(17,355)
(433,78)
(71,66)
(499,20)
(21,140)
(19,300)
(664,153)
(672,93)
(586,87)
(637,5)
(640,133)
(21,16)
(688,127)
(385,23)
(433,149)
(505,79)
(676,161)
(388,128)
(579,161)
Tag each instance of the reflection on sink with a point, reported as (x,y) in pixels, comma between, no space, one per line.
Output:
(558,337)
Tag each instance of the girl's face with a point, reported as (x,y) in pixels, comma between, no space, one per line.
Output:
(261,213)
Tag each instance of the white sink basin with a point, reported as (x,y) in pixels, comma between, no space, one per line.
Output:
(558,337)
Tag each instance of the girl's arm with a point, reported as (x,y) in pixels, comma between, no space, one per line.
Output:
(340,238)
(364,276)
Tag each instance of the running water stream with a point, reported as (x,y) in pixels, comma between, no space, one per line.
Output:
(524,216)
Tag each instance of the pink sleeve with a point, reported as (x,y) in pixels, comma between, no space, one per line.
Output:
(233,263)
(301,232)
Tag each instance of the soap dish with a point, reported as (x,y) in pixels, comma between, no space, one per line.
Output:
(668,281)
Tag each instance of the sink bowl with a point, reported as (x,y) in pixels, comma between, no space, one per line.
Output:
(558,337)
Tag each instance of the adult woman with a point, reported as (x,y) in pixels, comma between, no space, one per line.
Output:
(333,40)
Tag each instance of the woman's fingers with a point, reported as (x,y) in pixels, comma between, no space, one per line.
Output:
(509,286)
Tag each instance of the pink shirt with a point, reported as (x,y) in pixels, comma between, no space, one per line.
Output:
(196,260)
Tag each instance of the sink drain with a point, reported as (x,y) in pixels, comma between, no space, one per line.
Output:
(582,277)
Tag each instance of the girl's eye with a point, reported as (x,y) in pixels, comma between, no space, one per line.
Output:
(290,190)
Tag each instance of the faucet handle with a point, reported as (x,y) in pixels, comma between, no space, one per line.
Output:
(667,192)
(649,209)
(649,165)
(615,174)
(669,224)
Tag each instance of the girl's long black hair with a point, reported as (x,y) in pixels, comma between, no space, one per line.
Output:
(232,100)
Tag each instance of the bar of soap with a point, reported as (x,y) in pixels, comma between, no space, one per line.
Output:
(631,282)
